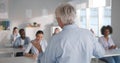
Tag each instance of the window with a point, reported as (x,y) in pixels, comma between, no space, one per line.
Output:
(95,15)
(107,16)
(94,24)
(95,18)
(83,21)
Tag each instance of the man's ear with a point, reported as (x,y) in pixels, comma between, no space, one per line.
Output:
(60,23)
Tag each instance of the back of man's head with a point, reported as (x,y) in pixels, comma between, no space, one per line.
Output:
(66,12)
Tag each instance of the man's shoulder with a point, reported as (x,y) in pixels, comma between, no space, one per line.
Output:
(83,29)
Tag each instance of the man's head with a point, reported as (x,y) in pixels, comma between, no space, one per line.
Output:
(57,30)
(106,30)
(65,14)
(22,33)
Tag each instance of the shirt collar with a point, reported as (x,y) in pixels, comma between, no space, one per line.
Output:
(72,26)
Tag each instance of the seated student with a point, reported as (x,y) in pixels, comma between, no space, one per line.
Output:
(38,41)
(57,30)
(21,42)
(14,35)
(108,44)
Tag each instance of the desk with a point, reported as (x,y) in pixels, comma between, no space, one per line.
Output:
(108,53)
(114,52)
(8,45)
(11,50)
(17,60)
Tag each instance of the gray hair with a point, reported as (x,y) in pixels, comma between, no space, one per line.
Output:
(66,12)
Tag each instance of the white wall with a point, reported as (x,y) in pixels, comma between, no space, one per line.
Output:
(42,12)
(116,21)
(4,37)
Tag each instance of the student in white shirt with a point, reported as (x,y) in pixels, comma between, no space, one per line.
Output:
(38,41)
(14,35)
(108,44)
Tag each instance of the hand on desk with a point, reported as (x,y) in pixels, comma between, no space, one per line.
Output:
(113,47)
(21,47)
(34,56)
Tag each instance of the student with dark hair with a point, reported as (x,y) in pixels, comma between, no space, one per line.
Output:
(104,28)
(108,44)
(21,41)
(39,42)
(14,35)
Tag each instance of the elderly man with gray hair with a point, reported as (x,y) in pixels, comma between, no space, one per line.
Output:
(72,44)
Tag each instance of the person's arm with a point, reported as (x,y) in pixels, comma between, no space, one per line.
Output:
(100,40)
(28,55)
(113,46)
(27,41)
(98,50)
(27,50)
(44,46)
(16,43)
(52,52)
(34,56)
(11,39)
